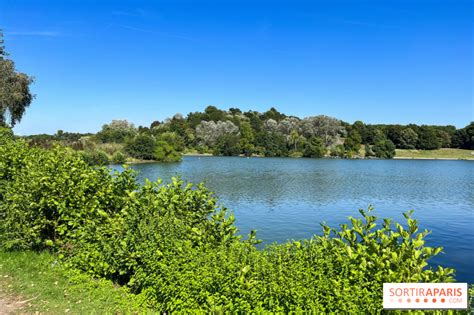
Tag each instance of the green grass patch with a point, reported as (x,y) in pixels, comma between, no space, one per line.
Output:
(43,285)
(444,153)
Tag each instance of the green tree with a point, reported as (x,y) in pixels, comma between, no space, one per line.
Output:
(464,138)
(294,137)
(384,149)
(353,141)
(118,158)
(408,138)
(117,131)
(247,138)
(368,151)
(228,145)
(15,94)
(315,148)
(338,151)
(274,114)
(274,143)
(173,139)
(141,147)
(214,114)
(165,152)
(95,158)
(428,138)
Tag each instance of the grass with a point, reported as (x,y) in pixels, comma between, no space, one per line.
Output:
(43,285)
(435,154)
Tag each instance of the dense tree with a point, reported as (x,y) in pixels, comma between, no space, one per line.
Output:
(95,158)
(289,125)
(255,120)
(408,139)
(384,149)
(141,147)
(428,138)
(338,151)
(209,131)
(214,114)
(117,131)
(327,128)
(172,138)
(228,145)
(164,152)
(274,114)
(394,133)
(247,138)
(274,143)
(368,151)
(353,141)
(315,148)
(464,138)
(15,94)
(118,158)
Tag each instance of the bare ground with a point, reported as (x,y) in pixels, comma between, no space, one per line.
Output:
(10,305)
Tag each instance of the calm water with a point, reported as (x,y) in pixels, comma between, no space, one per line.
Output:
(287,198)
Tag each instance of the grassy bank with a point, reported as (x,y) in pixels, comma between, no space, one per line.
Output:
(435,154)
(32,282)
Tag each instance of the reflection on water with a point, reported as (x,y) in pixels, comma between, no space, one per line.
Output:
(287,198)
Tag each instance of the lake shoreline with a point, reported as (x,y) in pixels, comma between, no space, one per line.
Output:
(431,158)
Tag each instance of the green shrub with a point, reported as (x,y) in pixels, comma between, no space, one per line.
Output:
(141,147)
(109,148)
(95,158)
(338,151)
(165,152)
(295,154)
(384,149)
(119,158)
(5,134)
(315,148)
(47,196)
(368,151)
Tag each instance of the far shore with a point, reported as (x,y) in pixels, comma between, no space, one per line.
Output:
(197,154)
(440,154)
(432,158)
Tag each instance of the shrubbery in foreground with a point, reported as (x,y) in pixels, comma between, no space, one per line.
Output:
(173,245)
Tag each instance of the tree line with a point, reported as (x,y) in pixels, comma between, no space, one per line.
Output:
(271,134)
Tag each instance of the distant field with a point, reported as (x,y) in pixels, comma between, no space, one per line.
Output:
(435,154)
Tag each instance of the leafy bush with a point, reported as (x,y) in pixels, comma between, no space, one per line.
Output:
(165,152)
(141,147)
(109,148)
(338,151)
(384,149)
(119,158)
(368,151)
(173,244)
(295,154)
(315,148)
(117,131)
(96,158)
(5,134)
(47,196)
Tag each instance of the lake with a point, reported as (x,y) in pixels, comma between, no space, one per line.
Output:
(285,198)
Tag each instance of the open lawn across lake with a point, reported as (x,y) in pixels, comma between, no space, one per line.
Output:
(444,153)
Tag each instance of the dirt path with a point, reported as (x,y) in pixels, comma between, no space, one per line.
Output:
(9,305)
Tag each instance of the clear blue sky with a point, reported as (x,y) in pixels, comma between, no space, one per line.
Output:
(376,61)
